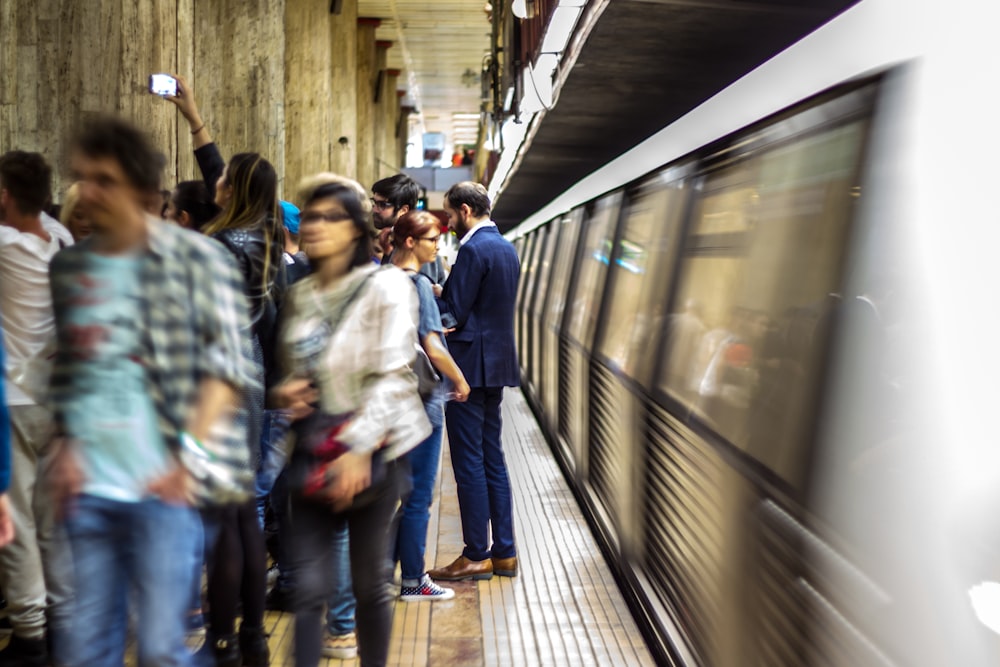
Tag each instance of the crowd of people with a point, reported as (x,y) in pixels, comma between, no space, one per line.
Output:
(203,379)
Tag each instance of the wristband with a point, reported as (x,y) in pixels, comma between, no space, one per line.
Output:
(199,129)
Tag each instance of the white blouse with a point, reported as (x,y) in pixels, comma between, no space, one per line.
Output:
(366,368)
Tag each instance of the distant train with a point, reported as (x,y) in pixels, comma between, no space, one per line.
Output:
(761,345)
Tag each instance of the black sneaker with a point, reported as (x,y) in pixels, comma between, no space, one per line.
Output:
(253,646)
(279,599)
(22,652)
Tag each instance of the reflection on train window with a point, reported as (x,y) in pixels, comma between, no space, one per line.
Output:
(545,267)
(641,269)
(563,266)
(600,231)
(746,335)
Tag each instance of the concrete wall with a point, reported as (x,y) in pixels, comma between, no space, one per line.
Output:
(275,76)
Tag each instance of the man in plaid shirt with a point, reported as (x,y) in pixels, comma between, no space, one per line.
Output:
(149,321)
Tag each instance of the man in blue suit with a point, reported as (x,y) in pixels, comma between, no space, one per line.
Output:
(480,296)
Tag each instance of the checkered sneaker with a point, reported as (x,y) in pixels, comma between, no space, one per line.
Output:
(424,589)
(343,647)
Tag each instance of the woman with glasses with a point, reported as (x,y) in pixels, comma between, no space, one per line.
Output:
(348,343)
(417,235)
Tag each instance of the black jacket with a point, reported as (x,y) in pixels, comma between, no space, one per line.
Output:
(248,246)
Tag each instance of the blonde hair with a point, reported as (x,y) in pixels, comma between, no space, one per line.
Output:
(70,201)
(309,185)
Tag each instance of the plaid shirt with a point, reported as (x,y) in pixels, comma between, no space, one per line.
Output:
(194,322)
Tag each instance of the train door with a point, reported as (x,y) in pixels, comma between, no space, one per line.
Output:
(537,307)
(529,250)
(632,323)
(579,325)
(556,296)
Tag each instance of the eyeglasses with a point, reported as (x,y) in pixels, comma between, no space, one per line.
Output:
(433,239)
(317,216)
(381,204)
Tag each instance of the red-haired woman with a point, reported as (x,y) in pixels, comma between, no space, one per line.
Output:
(416,236)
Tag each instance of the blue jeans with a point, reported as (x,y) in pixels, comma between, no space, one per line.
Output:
(341,604)
(416,513)
(118,546)
(273,457)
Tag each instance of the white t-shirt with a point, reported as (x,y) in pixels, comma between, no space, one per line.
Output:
(25,300)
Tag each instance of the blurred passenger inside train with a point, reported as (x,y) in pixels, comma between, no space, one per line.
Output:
(479,296)
(417,237)
(35,571)
(349,344)
(248,226)
(118,472)
(191,205)
(392,198)
(73,216)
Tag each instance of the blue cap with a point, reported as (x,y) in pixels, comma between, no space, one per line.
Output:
(290,212)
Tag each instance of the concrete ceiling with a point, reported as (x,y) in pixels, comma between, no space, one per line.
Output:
(645,64)
(437,45)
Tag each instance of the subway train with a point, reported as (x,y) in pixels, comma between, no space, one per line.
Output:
(759,344)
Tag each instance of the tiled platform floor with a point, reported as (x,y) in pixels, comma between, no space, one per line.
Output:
(563,608)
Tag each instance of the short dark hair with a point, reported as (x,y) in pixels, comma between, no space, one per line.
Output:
(28,179)
(109,136)
(472,194)
(194,198)
(350,199)
(398,190)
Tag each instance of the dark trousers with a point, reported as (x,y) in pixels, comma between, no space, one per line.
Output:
(484,498)
(313,527)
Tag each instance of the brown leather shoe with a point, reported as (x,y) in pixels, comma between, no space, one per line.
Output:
(463,568)
(505,567)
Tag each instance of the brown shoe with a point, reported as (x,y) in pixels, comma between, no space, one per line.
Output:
(505,567)
(463,568)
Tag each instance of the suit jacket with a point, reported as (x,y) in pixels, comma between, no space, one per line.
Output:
(480,296)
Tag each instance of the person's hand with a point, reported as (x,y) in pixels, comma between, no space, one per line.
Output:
(6,521)
(352,474)
(64,475)
(461,393)
(174,487)
(438,290)
(297,396)
(184,100)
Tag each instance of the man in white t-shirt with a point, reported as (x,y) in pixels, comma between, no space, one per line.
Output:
(35,570)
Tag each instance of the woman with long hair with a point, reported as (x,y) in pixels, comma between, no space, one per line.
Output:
(417,235)
(348,340)
(246,191)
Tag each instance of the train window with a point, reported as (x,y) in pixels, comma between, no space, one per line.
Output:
(541,236)
(599,235)
(562,267)
(545,267)
(744,341)
(641,271)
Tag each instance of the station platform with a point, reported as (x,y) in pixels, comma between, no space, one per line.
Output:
(563,608)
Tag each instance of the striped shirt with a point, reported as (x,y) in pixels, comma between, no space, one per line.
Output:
(194,320)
